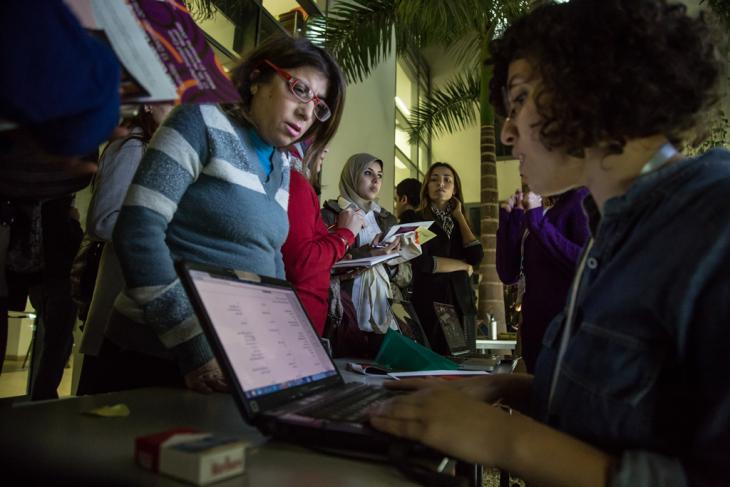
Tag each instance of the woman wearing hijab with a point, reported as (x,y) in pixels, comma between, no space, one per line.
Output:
(441,273)
(360,183)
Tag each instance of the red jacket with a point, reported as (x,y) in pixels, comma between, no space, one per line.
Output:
(310,249)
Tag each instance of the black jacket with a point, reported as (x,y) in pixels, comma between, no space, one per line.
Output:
(451,288)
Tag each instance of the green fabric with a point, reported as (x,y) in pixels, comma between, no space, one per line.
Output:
(401,353)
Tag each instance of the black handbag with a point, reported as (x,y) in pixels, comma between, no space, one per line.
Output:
(84,269)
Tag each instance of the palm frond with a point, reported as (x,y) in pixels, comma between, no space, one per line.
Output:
(448,109)
(465,50)
(506,11)
(721,9)
(436,21)
(205,9)
(358,34)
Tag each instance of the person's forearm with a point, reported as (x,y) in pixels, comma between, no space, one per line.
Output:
(446,264)
(570,462)
(516,391)
(512,390)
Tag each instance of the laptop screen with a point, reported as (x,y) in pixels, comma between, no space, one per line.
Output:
(265,333)
(452,328)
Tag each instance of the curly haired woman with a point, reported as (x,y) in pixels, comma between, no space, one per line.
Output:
(631,387)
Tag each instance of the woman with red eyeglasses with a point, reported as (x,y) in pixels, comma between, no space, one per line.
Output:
(212,188)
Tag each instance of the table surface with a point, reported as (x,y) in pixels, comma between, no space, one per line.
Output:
(67,444)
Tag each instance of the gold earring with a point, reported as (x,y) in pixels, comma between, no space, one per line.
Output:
(254,89)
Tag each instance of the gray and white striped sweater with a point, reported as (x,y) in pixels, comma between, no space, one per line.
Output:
(201,195)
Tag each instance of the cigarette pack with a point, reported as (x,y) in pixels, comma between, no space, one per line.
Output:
(191,456)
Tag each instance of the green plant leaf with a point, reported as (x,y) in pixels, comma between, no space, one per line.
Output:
(448,109)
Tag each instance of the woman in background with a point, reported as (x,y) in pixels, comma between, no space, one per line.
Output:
(538,248)
(360,183)
(117,166)
(311,249)
(442,272)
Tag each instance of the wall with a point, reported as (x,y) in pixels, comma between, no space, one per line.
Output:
(368,125)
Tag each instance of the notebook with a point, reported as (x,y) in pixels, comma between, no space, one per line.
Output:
(281,376)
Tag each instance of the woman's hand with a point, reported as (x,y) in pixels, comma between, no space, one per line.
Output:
(389,248)
(351,219)
(512,389)
(458,424)
(514,201)
(456,211)
(446,419)
(532,200)
(207,378)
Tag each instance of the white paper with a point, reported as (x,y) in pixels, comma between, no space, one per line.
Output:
(434,373)
(398,229)
(129,41)
(364,261)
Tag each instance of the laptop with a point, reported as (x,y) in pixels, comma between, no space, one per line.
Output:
(284,382)
(407,320)
(459,350)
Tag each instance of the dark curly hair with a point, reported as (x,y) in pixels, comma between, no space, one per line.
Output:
(613,70)
(288,53)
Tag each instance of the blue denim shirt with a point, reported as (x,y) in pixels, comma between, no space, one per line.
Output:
(646,373)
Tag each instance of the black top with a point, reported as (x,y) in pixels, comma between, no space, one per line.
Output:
(452,288)
(409,216)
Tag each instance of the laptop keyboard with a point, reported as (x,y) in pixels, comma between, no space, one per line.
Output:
(348,405)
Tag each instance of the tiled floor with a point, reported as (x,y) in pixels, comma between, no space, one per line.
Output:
(14,378)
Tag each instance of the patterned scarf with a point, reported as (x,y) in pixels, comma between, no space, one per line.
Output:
(443,218)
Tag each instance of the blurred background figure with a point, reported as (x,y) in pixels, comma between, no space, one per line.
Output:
(59,84)
(538,247)
(117,166)
(39,237)
(59,99)
(407,199)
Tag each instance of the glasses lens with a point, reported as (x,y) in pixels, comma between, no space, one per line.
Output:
(322,111)
(304,93)
(301,90)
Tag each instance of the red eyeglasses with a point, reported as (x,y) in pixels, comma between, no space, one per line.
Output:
(303,92)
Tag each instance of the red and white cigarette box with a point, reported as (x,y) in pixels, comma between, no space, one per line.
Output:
(192,456)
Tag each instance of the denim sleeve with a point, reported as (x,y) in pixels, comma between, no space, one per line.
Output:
(640,467)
